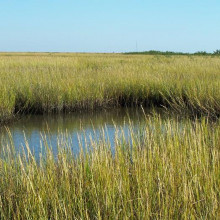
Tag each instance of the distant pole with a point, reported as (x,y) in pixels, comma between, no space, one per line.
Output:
(136,46)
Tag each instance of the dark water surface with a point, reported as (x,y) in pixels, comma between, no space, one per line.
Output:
(74,128)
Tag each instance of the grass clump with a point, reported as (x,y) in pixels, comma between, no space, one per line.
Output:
(59,82)
(161,172)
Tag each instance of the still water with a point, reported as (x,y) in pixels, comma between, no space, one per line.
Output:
(75,128)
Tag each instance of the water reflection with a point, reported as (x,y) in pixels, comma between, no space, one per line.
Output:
(72,128)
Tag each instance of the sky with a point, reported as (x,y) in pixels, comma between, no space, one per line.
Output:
(109,26)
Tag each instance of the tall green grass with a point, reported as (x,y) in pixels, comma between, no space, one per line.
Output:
(168,170)
(67,82)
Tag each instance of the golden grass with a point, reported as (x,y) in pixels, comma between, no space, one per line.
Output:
(163,172)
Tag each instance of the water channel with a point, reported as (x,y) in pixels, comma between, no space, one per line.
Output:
(78,129)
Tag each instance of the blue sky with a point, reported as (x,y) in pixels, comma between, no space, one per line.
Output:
(109,26)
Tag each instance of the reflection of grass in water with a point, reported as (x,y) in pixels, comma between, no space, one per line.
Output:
(169,173)
(68,82)
(74,124)
(73,121)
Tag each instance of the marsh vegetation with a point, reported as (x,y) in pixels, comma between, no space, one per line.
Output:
(66,82)
(163,171)
(166,167)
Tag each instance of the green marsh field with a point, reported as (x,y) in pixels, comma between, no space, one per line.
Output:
(68,82)
(165,170)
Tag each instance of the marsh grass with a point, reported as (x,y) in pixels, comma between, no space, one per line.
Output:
(164,171)
(44,82)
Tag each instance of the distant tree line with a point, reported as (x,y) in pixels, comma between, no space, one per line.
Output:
(156,52)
